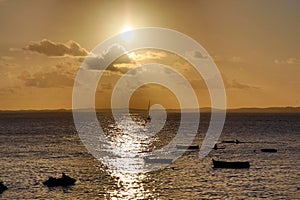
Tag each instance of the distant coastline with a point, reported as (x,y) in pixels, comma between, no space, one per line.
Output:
(202,110)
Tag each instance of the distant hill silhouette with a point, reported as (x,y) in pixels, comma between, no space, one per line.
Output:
(204,110)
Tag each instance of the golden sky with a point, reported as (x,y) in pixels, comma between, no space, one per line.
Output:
(254,43)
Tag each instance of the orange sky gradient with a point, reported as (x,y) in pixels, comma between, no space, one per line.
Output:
(255,45)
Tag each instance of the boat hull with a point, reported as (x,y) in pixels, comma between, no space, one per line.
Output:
(196,147)
(230,165)
(269,150)
(63,181)
(2,187)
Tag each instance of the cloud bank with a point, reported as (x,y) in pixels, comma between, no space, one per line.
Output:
(50,48)
(100,62)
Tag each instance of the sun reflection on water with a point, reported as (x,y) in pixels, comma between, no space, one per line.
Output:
(132,138)
(130,186)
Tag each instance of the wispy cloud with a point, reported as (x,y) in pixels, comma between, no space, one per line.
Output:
(59,76)
(289,61)
(234,84)
(233,59)
(46,79)
(5,62)
(7,91)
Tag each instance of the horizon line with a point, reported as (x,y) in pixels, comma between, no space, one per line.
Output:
(286,108)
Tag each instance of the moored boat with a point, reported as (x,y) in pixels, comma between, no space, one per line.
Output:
(231,165)
(63,181)
(216,147)
(231,141)
(191,147)
(269,150)
(2,187)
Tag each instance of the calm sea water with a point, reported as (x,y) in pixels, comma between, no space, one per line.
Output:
(34,146)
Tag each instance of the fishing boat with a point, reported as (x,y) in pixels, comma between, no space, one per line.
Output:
(269,150)
(63,181)
(191,147)
(216,147)
(231,141)
(230,165)
(2,187)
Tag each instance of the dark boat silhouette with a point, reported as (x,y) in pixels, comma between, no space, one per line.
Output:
(230,165)
(2,187)
(148,109)
(191,147)
(216,147)
(148,118)
(63,181)
(158,160)
(231,141)
(269,150)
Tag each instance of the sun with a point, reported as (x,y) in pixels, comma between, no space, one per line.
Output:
(126,28)
(127,33)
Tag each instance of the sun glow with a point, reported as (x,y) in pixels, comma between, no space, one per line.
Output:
(126,28)
(127,33)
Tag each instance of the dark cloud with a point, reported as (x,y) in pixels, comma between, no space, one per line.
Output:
(50,48)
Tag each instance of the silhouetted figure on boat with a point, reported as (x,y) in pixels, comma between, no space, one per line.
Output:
(2,187)
(63,181)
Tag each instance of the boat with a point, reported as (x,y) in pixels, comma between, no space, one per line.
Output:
(2,187)
(63,181)
(269,150)
(148,111)
(230,165)
(158,160)
(231,141)
(216,147)
(191,147)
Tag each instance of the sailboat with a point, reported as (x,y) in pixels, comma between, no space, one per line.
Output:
(148,112)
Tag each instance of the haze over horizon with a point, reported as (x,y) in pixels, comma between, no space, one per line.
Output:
(254,44)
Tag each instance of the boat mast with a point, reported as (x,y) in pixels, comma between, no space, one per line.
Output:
(148,117)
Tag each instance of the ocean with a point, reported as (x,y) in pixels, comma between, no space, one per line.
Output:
(36,145)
